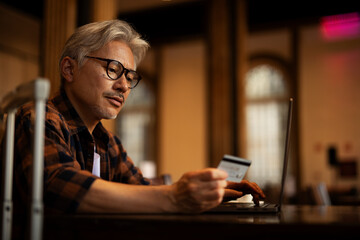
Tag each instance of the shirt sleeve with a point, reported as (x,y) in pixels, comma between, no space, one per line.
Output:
(65,184)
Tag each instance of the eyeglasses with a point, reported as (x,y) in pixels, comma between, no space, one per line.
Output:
(114,70)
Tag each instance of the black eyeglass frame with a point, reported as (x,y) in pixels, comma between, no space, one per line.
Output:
(124,71)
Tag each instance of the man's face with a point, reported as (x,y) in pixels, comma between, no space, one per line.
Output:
(97,96)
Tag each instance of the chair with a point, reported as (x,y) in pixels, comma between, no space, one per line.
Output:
(321,194)
(37,90)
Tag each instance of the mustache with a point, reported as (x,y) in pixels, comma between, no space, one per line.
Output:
(114,94)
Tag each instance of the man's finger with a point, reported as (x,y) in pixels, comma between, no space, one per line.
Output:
(208,174)
(233,194)
(215,184)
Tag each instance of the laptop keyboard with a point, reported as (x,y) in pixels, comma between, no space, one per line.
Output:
(244,207)
(251,205)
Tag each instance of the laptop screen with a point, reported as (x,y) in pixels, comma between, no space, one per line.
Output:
(286,151)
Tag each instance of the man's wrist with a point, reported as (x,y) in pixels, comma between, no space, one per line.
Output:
(172,205)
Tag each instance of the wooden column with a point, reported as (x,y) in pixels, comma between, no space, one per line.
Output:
(220,78)
(241,32)
(59,24)
(102,10)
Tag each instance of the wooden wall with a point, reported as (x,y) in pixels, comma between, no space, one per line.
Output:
(19,48)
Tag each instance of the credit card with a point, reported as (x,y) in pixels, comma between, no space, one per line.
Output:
(235,167)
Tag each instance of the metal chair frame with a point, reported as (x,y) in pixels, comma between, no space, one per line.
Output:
(37,91)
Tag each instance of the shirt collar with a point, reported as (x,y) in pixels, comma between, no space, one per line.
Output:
(63,104)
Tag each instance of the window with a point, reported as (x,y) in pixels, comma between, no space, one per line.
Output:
(267,94)
(136,127)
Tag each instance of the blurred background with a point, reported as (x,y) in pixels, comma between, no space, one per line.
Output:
(216,81)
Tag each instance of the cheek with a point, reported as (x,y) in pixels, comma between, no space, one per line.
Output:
(96,83)
(126,94)
(92,76)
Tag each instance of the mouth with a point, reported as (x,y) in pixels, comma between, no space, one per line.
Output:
(116,101)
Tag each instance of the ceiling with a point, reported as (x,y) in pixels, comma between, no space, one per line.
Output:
(189,18)
(33,8)
(259,11)
(158,19)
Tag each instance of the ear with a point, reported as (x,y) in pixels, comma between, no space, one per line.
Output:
(67,68)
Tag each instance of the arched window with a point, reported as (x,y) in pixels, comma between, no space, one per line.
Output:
(136,127)
(267,92)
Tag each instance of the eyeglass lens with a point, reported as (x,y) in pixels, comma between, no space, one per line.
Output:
(115,70)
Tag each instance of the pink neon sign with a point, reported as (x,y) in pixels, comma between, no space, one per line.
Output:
(341,26)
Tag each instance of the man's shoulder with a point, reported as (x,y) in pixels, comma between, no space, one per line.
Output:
(26,110)
(53,116)
(29,108)
(52,112)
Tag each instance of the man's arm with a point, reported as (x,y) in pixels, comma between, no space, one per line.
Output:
(195,192)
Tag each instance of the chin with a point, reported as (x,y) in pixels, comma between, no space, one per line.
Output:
(106,113)
(109,115)
(112,117)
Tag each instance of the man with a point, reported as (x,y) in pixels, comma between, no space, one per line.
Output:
(86,167)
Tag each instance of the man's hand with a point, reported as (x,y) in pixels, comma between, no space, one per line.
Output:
(235,190)
(199,190)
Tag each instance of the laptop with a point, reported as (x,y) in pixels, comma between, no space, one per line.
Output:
(263,207)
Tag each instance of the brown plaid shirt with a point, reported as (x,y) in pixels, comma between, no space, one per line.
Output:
(69,150)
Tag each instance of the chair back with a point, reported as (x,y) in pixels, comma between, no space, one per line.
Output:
(37,91)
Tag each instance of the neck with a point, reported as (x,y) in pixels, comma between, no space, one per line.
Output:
(88,120)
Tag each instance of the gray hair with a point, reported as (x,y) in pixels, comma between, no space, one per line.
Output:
(93,36)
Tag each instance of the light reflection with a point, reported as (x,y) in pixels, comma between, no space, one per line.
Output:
(341,26)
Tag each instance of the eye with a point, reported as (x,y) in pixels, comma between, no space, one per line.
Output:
(132,75)
(112,70)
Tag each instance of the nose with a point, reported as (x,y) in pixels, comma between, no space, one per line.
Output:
(121,84)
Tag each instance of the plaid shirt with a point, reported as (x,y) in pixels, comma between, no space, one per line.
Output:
(69,153)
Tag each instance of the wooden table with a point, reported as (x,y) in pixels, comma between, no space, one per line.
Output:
(294,222)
